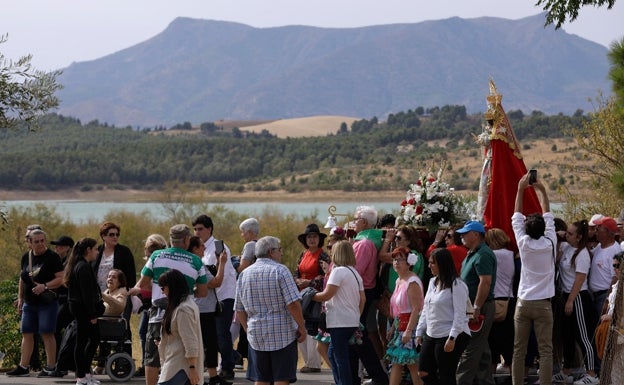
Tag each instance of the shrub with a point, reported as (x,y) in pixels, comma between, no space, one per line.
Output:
(10,336)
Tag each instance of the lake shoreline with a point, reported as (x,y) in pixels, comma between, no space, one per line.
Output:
(130,195)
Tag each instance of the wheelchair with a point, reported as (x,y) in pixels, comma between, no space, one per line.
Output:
(119,365)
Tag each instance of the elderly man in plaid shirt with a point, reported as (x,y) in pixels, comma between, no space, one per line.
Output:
(269,309)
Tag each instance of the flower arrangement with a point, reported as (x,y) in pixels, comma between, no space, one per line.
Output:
(433,204)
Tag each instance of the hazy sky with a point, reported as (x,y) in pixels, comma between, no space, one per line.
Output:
(60,32)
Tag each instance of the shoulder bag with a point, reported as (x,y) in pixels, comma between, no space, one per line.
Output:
(47,296)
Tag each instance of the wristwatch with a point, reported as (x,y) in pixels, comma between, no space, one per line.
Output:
(191,366)
(476,307)
(451,338)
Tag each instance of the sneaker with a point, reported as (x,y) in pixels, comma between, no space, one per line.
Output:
(217,380)
(56,373)
(82,381)
(502,369)
(19,372)
(562,378)
(46,372)
(587,379)
(91,380)
(227,375)
(307,369)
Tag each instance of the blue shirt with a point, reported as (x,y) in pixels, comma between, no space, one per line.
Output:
(263,291)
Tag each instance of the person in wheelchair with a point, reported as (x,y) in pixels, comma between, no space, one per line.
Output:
(115,297)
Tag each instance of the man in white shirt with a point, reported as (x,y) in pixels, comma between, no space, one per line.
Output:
(536,239)
(602,274)
(203,227)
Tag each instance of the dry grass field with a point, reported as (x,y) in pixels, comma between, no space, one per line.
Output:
(302,127)
(282,128)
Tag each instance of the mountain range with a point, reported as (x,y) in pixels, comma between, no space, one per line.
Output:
(205,70)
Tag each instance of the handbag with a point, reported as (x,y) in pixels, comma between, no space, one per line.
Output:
(47,296)
(383,304)
(601,334)
(500,312)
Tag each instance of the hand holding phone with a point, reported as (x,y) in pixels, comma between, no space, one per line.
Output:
(218,247)
(532,176)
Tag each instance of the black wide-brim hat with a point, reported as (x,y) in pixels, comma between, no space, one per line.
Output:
(311,229)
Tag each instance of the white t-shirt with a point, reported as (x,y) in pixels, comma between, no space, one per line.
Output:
(537,276)
(602,272)
(343,309)
(567,273)
(505,270)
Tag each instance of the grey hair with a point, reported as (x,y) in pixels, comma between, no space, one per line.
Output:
(250,224)
(369,213)
(37,232)
(155,242)
(265,245)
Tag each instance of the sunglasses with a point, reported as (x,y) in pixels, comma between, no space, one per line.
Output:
(616,265)
(113,234)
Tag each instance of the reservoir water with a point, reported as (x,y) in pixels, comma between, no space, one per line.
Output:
(85,211)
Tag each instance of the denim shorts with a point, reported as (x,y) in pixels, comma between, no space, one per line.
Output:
(39,318)
(272,366)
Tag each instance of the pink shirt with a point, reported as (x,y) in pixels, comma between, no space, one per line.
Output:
(399,302)
(366,262)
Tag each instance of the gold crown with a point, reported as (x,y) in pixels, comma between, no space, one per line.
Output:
(494,100)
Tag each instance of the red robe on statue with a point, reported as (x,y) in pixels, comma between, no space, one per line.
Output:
(503,168)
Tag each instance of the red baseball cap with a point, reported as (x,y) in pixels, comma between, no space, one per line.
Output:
(608,223)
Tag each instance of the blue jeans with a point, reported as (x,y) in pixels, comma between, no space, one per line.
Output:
(365,351)
(339,354)
(180,378)
(224,337)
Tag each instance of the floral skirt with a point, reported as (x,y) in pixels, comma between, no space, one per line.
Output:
(398,352)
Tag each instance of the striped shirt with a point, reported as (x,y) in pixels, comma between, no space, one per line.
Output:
(161,261)
(263,291)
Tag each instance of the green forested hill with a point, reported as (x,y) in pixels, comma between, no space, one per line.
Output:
(369,155)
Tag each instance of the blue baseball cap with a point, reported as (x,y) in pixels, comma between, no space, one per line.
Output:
(471,226)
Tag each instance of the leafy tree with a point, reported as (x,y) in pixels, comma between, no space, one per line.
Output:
(602,140)
(558,11)
(25,93)
(616,72)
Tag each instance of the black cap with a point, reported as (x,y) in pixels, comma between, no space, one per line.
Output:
(63,240)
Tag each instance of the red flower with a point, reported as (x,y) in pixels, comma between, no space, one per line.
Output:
(419,210)
(404,203)
(418,182)
(431,179)
(411,201)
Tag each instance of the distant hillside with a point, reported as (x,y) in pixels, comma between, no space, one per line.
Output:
(203,71)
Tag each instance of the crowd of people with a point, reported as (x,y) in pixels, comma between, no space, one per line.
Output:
(390,302)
